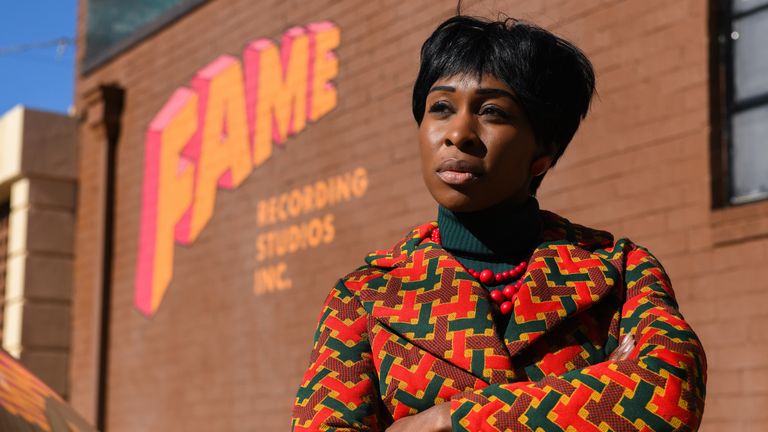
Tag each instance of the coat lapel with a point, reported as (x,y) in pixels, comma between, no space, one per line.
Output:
(429,299)
(567,274)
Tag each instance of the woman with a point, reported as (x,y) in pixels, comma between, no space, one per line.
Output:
(501,316)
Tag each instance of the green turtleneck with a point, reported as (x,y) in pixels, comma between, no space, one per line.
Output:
(496,238)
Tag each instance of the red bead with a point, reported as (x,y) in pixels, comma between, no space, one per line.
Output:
(498,297)
(519,283)
(506,307)
(486,276)
(509,291)
(436,235)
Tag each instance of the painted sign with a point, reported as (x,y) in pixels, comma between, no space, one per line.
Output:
(215,132)
(275,243)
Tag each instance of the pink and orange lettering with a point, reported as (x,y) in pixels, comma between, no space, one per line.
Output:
(166,197)
(324,66)
(221,149)
(278,89)
(213,135)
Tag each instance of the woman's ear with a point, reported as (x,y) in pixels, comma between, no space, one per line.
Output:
(540,165)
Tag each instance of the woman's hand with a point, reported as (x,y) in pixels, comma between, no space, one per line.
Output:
(435,419)
(624,349)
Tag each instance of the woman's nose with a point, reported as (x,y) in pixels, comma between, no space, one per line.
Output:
(462,131)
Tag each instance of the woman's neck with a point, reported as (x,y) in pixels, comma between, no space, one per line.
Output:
(504,233)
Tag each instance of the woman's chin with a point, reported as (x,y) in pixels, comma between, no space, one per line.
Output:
(457,201)
(463,201)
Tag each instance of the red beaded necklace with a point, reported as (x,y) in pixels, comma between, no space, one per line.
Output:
(502,297)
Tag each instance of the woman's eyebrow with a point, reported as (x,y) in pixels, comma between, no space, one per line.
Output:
(442,88)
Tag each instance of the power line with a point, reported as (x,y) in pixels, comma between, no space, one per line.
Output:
(60,44)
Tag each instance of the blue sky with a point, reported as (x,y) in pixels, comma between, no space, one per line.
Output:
(41,78)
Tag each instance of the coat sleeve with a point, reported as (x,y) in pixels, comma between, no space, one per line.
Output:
(660,387)
(338,391)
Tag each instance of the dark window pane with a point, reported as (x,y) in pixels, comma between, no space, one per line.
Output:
(750,49)
(745,5)
(749,158)
(110,21)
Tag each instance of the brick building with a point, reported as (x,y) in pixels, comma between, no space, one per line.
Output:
(210,229)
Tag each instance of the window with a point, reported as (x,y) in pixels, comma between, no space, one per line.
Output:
(116,25)
(740,95)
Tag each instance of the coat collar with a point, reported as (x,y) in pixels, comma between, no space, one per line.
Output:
(427,297)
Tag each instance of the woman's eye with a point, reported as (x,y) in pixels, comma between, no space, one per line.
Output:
(494,112)
(440,108)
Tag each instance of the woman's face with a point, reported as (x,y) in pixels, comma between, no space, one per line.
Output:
(477,147)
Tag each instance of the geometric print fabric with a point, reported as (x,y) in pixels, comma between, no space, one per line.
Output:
(412,329)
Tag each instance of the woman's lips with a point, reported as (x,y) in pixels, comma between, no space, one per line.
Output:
(457,172)
(456,177)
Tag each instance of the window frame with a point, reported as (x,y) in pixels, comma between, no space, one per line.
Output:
(723,100)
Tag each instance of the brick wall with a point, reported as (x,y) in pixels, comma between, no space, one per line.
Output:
(217,357)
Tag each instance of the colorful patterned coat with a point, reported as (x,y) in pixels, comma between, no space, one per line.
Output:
(413,329)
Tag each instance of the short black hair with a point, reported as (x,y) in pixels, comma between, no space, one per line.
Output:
(552,79)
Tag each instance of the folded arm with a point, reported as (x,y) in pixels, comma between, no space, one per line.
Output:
(338,391)
(659,387)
